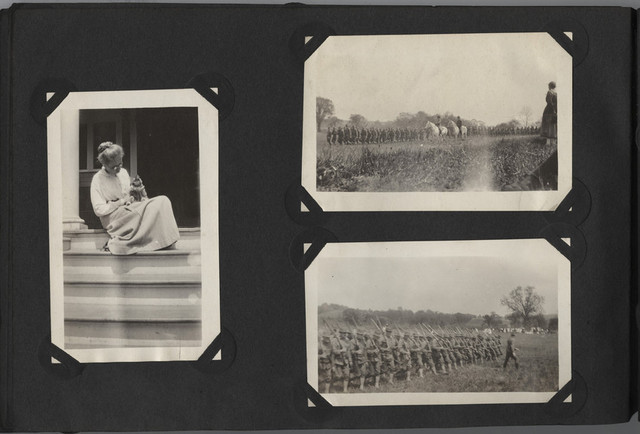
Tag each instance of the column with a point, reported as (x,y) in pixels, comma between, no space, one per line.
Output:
(70,138)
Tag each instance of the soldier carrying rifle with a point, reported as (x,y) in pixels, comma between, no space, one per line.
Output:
(324,363)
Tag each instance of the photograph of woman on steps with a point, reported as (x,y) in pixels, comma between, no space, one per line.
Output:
(133,225)
(128,235)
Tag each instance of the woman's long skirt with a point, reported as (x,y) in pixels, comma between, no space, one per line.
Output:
(549,125)
(141,227)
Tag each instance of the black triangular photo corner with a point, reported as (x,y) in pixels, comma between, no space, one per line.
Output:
(67,369)
(41,107)
(578,45)
(576,252)
(314,396)
(577,389)
(223,100)
(295,196)
(318,237)
(225,343)
(301,46)
(319,412)
(574,208)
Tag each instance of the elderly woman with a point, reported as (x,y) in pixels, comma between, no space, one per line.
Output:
(549,126)
(133,226)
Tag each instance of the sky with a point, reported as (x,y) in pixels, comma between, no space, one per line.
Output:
(450,284)
(487,77)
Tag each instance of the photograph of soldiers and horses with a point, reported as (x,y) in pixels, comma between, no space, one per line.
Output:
(450,324)
(456,114)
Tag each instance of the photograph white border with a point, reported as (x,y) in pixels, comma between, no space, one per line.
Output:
(418,249)
(437,201)
(208,165)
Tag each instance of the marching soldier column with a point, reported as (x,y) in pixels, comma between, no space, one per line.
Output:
(354,358)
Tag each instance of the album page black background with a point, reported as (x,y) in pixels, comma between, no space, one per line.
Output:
(250,48)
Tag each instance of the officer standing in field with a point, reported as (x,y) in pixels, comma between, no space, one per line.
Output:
(511,352)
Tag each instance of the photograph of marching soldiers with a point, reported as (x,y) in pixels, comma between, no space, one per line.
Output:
(437,324)
(438,113)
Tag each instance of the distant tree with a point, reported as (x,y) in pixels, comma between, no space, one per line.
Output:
(404,120)
(420,119)
(350,316)
(539,321)
(526,114)
(357,120)
(332,122)
(525,302)
(515,319)
(324,108)
(491,320)
(553,323)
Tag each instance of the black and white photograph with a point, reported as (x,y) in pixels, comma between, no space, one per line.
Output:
(133,251)
(438,122)
(446,322)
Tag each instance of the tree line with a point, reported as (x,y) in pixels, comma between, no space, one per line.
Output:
(325,111)
(525,305)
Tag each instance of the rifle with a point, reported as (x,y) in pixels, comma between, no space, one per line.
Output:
(376,324)
(354,323)
(335,334)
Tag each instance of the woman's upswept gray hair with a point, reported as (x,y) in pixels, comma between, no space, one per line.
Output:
(108,151)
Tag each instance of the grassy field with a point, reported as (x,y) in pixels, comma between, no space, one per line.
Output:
(478,163)
(538,357)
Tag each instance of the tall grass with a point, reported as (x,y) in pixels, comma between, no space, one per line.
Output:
(480,162)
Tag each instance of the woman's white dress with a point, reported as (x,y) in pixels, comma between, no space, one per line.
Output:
(139,227)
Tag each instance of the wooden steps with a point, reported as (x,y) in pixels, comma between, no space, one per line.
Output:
(95,239)
(85,335)
(148,299)
(121,312)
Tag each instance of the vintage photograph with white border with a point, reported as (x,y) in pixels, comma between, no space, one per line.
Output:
(442,122)
(133,225)
(438,322)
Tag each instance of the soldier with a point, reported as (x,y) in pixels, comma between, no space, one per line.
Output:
(511,352)
(415,348)
(477,348)
(359,366)
(393,345)
(329,135)
(373,356)
(458,350)
(340,135)
(340,361)
(438,354)
(404,355)
(459,124)
(324,363)
(450,352)
(427,354)
(355,134)
(388,364)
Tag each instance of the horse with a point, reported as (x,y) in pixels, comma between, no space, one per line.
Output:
(454,131)
(431,130)
(463,131)
(443,132)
